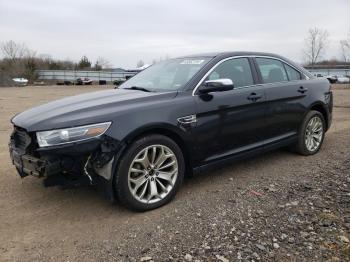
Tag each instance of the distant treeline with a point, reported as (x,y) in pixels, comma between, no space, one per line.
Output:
(20,61)
(331,62)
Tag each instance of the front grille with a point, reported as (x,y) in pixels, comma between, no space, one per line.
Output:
(21,139)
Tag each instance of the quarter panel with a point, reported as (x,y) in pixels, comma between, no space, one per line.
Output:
(287,106)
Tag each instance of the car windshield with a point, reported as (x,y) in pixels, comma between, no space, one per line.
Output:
(170,75)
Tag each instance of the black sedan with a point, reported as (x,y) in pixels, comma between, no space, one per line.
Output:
(175,118)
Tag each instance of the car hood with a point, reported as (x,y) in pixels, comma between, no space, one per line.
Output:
(89,108)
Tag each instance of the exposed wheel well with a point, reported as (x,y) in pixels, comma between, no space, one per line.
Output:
(322,110)
(175,137)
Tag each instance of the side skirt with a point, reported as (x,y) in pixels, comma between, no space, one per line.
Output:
(246,154)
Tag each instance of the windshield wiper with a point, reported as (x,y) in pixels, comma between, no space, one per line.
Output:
(138,88)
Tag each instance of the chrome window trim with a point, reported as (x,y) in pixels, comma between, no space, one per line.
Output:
(247,56)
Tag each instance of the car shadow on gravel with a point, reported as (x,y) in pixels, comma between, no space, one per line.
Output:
(238,174)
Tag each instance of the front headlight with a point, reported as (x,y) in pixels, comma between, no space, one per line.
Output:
(70,135)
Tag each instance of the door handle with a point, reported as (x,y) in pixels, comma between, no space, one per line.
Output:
(254,97)
(302,89)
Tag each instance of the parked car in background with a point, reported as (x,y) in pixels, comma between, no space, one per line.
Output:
(343,80)
(20,81)
(332,79)
(177,117)
(83,81)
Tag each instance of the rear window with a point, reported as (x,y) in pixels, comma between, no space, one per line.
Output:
(272,70)
(292,73)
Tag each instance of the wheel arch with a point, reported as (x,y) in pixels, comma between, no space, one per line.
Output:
(176,134)
(320,107)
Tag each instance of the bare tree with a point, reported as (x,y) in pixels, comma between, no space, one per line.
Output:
(18,61)
(101,63)
(345,48)
(12,50)
(30,65)
(315,44)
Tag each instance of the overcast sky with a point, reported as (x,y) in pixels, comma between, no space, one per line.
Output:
(125,31)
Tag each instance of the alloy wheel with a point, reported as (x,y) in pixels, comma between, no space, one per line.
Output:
(152,173)
(314,134)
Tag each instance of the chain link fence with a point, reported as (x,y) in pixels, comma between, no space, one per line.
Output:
(72,75)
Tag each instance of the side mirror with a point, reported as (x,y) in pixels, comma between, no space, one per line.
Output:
(218,85)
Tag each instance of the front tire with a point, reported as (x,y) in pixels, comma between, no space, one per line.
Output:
(311,134)
(149,173)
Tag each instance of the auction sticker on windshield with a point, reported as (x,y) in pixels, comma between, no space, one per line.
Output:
(192,62)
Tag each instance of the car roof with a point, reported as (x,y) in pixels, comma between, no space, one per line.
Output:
(222,55)
(232,53)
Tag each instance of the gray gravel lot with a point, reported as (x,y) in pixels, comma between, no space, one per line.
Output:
(276,207)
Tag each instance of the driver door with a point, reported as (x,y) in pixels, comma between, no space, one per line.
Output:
(230,122)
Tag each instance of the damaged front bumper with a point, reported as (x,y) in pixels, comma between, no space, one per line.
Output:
(30,165)
(91,161)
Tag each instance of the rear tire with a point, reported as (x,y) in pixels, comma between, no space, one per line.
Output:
(311,134)
(150,173)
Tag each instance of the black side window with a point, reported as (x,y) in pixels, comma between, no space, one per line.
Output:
(292,73)
(272,70)
(236,69)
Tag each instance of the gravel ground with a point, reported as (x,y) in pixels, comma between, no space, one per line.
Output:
(275,207)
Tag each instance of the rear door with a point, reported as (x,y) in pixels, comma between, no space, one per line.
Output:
(286,93)
(230,122)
